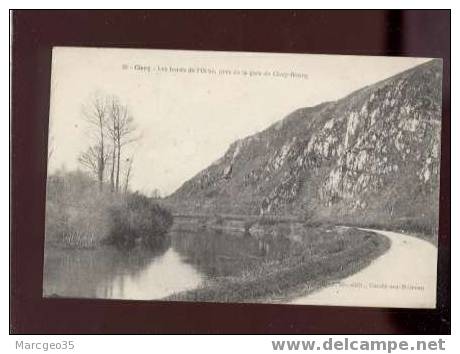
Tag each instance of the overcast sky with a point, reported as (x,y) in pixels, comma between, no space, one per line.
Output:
(188,120)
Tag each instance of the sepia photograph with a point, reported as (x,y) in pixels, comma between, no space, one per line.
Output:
(240,177)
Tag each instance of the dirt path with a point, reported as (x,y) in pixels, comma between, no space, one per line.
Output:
(405,276)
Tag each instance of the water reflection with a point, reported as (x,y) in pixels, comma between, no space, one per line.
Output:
(141,274)
(223,254)
(165,275)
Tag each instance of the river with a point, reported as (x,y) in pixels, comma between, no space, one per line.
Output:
(191,258)
(405,276)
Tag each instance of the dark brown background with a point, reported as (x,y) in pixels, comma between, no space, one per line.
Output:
(401,33)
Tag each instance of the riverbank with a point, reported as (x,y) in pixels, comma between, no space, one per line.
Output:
(420,226)
(318,255)
(257,224)
(403,277)
(82,214)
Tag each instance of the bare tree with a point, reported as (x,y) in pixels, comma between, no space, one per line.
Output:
(121,129)
(129,165)
(95,113)
(112,129)
(90,160)
(155,194)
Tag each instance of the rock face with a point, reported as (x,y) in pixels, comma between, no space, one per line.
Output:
(373,154)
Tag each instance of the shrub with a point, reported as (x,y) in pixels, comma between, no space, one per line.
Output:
(139,220)
(76,211)
(78,214)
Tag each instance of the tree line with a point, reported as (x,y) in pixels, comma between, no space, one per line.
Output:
(111,130)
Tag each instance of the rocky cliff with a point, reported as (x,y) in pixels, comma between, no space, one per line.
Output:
(373,155)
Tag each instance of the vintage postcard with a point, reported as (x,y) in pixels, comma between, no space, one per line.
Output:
(243,177)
